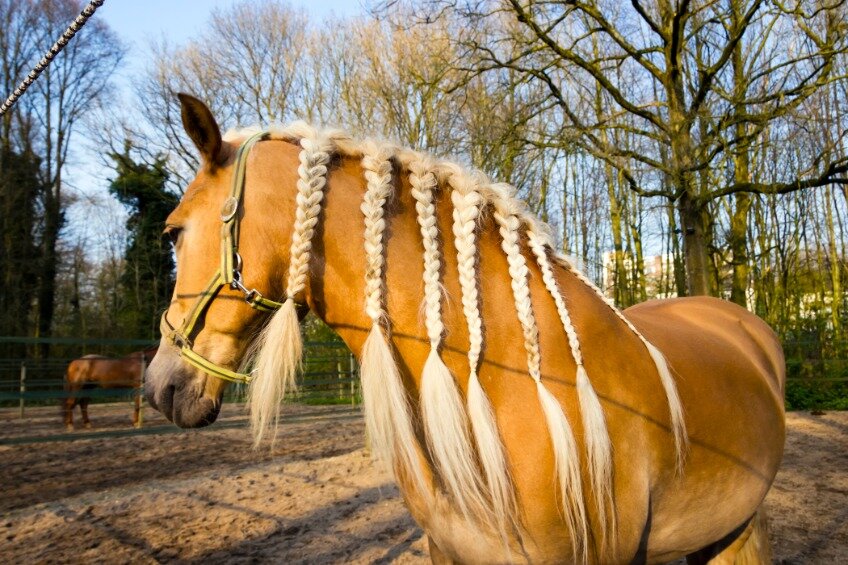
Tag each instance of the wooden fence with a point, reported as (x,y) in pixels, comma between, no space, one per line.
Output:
(27,378)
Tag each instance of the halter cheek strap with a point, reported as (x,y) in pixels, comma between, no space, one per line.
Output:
(228,274)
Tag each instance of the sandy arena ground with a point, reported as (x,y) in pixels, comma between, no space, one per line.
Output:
(206,496)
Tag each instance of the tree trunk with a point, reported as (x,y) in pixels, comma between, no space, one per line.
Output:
(694,245)
(835,266)
(639,284)
(739,249)
(678,262)
(49,259)
(741,174)
(618,274)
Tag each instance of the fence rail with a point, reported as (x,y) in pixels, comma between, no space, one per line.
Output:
(330,374)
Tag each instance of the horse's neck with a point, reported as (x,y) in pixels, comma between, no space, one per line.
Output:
(338,289)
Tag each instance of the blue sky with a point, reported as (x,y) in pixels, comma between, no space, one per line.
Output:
(138,23)
(141,20)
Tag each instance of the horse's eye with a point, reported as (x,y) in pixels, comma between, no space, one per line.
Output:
(173,234)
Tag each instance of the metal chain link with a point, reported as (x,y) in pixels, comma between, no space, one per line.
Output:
(77,24)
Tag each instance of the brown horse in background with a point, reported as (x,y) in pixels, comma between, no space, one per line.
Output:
(93,371)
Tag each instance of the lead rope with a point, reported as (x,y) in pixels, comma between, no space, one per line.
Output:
(57,47)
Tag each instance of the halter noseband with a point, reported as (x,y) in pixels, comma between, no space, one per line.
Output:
(228,273)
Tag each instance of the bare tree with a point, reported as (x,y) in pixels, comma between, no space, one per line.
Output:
(249,66)
(665,71)
(41,130)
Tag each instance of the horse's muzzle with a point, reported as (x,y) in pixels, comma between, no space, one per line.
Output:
(177,393)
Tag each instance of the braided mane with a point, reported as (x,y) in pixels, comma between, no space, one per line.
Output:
(461,433)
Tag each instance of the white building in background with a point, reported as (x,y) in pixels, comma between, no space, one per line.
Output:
(659,273)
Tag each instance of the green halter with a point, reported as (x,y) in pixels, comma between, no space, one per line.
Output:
(228,273)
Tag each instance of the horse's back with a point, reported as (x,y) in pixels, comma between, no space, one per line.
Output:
(715,327)
(79,370)
(105,372)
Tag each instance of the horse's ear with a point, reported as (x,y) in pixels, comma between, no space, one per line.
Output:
(201,127)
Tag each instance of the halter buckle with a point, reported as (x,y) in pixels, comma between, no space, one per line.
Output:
(229,209)
(237,284)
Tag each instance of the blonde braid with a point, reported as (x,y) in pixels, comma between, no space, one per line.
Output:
(312,173)
(678,424)
(598,444)
(385,403)
(566,455)
(509,224)
(280,345)
(465,213)
(423,182)
(378,174)
(467,202)
(442,406)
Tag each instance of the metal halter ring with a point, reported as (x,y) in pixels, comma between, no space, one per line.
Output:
(237,265)
(237,283)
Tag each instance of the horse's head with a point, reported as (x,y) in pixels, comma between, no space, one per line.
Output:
(226,263)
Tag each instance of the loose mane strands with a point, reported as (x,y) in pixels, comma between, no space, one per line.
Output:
(387,414)
(566,457)
(280,345)
(467,202)
(442,406)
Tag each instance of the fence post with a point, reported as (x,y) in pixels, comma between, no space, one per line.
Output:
(23,387)
(352,379)
(340,379)
(139,400)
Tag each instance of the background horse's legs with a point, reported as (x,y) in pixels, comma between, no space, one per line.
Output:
(750,547)
(68,404)
(83,404)
(136,409)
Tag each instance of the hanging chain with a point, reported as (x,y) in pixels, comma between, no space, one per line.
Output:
(48,57)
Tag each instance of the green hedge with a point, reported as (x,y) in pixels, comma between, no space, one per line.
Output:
(816,384)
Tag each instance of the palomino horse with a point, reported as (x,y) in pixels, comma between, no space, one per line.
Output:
(97,371)
(524,416)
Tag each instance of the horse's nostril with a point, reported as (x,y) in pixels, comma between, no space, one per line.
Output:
(150,393)
(164,401)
